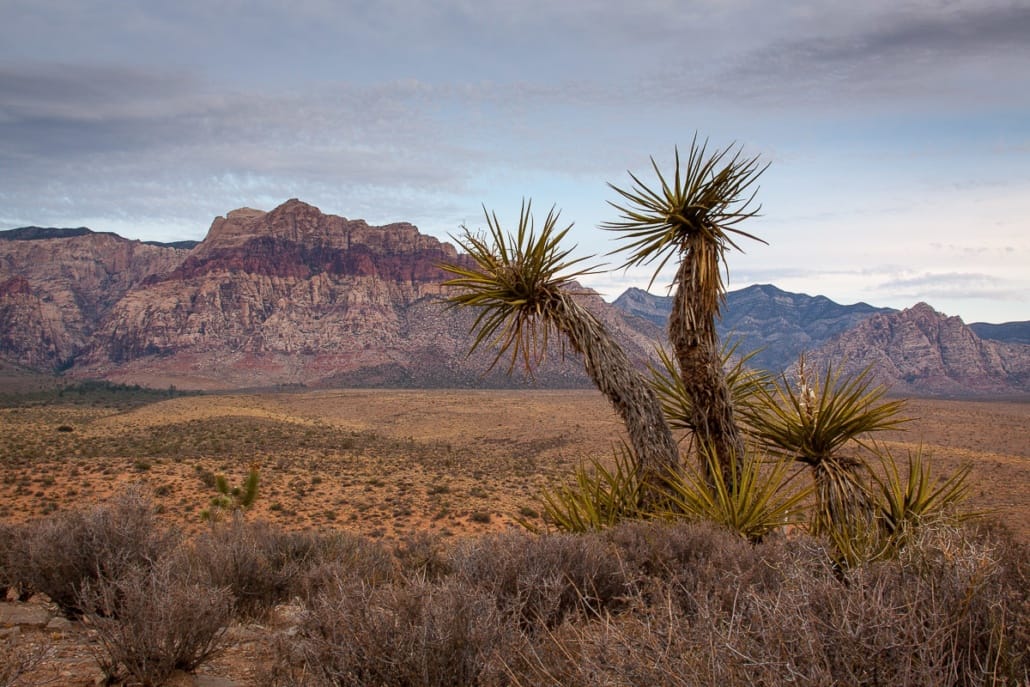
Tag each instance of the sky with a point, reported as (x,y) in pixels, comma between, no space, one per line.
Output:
(897,132)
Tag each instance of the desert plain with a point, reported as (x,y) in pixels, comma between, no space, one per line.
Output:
(388,463)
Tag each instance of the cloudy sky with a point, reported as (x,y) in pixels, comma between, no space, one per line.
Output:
(897,131)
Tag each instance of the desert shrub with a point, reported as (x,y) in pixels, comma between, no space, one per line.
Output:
(9,550)
(326,560)
(674,603)
(253,560)
(647,646)
(423,554)
(415,633)
(154,620)
(262,565)
(539,580)
(697,562)
(950,611)
(59,554)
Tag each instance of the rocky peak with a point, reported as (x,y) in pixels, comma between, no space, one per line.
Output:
(763,318)
(298,222)
(920,350)
(297,240)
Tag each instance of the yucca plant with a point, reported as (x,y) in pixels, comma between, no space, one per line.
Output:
(233,498)
(759,499)
(524,287)
(598,497)
(811,422)
(692,216)
(904,504)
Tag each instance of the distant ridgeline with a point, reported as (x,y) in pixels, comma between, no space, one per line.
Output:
(38,233)
(294,297)
(41,233)
(917,351)
(1012,332)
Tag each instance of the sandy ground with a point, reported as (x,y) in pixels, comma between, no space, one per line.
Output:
(385,463)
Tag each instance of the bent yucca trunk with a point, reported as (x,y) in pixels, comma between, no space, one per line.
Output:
(521,286)
(624,386)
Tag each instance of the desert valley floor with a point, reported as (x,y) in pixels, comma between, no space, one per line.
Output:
(386,463)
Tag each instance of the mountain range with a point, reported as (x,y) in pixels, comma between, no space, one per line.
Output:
(916,351)
(294,296)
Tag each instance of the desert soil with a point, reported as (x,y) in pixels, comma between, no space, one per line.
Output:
(389,463)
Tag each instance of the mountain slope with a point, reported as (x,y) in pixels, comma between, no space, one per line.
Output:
(56,285)
(919,350)
(1009,332)
(289,296)
(776,323)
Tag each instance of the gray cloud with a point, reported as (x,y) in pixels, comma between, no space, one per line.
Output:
(961,285)
(894,51)
(171,112)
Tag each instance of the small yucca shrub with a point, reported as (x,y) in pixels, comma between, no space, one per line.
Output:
(756,500)
(905,504)
(598,497)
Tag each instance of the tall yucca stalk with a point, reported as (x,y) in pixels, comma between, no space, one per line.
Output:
(523,287)
(693,217)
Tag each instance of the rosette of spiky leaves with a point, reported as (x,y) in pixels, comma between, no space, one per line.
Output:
(599,496)
(745,385)
(757,499)
(811,422)
(514,282)
(692,215)
(906,503)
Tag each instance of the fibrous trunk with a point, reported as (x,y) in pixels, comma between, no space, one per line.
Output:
(654,447)
(696,344)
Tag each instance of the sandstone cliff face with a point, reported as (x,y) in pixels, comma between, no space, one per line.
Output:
(922,351)
(54,291)
(294,296)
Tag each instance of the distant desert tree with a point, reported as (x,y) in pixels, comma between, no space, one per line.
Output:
(692,217)
(523,285)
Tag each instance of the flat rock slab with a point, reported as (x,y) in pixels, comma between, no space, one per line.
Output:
(20,614)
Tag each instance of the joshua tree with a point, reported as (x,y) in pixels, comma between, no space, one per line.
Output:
(524,288)
(694,219)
